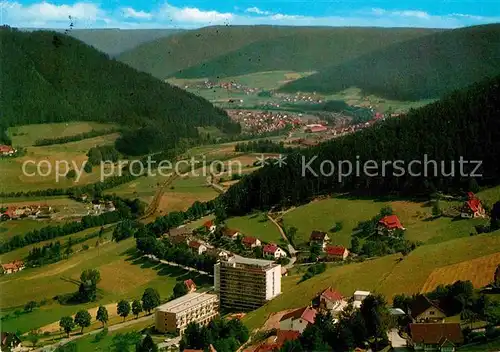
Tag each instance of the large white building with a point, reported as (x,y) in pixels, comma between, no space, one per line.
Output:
(245,284)
(175,315)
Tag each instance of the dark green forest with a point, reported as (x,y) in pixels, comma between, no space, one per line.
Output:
(300,49)
(421,68)
(463,124)
(51,77)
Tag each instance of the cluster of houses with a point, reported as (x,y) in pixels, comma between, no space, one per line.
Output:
(332,253)
(427,329)
(26,211)
(7,150)
(12,267)
(264,121)
(185,235)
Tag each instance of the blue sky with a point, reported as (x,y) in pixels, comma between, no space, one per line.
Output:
(200,13)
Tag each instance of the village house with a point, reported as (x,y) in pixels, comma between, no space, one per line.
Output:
(298,319)
(423,310)
(251,242)
(472,208)
(7,150)
(190,285)
(388,224)
(219,254)
(316,129)
(359,297)
(336,252)
(10,342)
(273,251)
(210,226)
(197,247)
(230,233)
(109,207)
(275,343)
(320,238)
(332,301)
(13,267)
(443,337)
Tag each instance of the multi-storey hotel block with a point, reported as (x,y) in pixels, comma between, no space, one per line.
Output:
(244,284)
(194,307)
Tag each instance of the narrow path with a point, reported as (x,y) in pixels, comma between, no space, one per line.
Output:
(155,259)
(291,250)
(155,203)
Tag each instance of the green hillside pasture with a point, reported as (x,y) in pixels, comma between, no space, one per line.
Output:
(123,276)
(13,178)
(322,215)
(24,136)
(387,275)
(255,226)
(21,253)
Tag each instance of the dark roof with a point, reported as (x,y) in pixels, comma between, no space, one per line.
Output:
(318,236)
(421,304)
(436,333)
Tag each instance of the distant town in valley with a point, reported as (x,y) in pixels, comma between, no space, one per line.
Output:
(391,244)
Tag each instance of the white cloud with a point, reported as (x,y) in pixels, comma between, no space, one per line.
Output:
(129,12)
(90,15)
(407,13)
(192,15)
(257,11)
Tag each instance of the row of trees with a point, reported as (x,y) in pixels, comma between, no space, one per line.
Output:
(150,300)
(223,335)
(125,209)
(55,251)
(447,131)
(75,137)
(94,189)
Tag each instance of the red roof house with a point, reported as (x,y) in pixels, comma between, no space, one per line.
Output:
(231,233)
(13,267)
(336,252)
(298,319)
(6,150)
(275,343)
(210,226)
(251,242)
(190,285)
(332,300)
(389,223)
(473,207)
(272,250)
(197,247)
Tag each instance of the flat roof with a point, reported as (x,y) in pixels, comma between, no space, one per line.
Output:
(362,293)
(250,261)
(185,302)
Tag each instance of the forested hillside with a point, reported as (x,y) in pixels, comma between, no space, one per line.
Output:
(421,68)
(465,124)
(51,77)
(234,50)
(309,49)
(116,41)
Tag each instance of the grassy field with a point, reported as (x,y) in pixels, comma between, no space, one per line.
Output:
(322,215)
(492,346)
(479,271)
(13,178)
(387,275)
(26,135)
(123,277)
(255,225)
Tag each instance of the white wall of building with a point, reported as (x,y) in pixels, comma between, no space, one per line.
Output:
(273,282)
